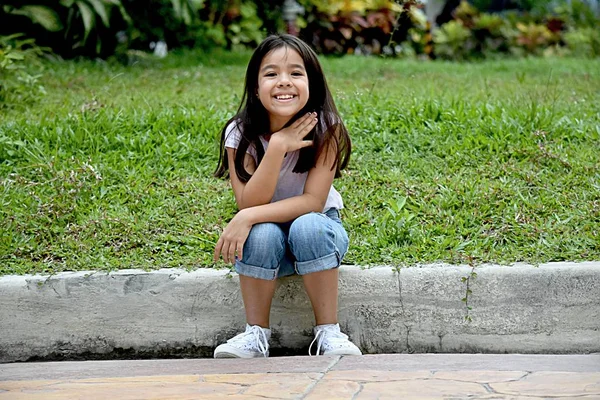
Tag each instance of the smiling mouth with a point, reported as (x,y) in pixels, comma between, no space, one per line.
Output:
(285,97)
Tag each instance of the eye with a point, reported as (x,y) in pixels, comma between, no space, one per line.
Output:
(270,74)
(297,73)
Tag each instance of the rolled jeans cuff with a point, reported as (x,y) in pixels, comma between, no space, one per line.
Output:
(324,263)
(256,272)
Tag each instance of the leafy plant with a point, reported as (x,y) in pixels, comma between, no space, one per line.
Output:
(82,24)
(534,37)
(333,7)
(186,10)
(583,42)
(453,41)
(194,23)
(489,24)
(90,13)
(246,28)
(19,70)
(399,224)
(362,27)
(466,13)
(530,28)
(38,14)
(578,13)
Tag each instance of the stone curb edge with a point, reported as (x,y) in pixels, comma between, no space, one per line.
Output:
(551,308)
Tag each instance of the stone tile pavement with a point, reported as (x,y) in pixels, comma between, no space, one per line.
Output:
(393,376)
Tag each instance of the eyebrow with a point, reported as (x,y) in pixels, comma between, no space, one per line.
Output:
(274,66)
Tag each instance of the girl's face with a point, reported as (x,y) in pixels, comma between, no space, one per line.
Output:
(282,85)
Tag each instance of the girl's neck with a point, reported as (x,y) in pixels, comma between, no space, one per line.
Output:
(277,123)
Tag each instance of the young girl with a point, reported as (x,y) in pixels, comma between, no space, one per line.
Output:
(283,149)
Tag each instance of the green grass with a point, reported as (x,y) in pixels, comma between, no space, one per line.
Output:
(490,162)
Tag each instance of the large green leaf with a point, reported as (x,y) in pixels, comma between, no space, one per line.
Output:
(88,17)
(177,7)
(186,10)
(101,10)
(119,5)
(15,56)
(42,15)
(187,16)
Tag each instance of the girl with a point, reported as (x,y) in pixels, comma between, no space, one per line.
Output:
(283,149)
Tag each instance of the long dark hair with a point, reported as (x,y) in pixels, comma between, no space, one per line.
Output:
(252,119)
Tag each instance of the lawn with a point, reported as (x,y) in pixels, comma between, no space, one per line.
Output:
(489,162)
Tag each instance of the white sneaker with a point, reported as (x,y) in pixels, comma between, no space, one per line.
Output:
(252,343)
(331,341)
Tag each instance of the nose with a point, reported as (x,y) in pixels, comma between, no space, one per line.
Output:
(284,81)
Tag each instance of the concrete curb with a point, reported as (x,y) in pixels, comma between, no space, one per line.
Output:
(553,308)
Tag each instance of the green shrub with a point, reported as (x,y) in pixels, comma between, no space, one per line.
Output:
(359,27)
(70,27)
(538,28)
(102,28)
(194,24)
(453,41)
(583,42)
(533,38)
(577,13)
(493,35)
(20,71)
(246,29)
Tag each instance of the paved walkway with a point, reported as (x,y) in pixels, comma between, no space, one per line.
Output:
(394,376)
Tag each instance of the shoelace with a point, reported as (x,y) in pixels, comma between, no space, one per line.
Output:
(334,336)
(255,331)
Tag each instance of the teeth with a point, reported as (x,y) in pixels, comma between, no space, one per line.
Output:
(285,97)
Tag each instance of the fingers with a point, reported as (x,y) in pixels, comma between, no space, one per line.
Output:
(228,250)
(307,120)
(306,143)
(240,251)
(303,119)
(218,248)
(307,126)
(306,130)
(231,253)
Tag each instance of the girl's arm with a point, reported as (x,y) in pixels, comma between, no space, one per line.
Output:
(313,199)
(260,188)
(316,190)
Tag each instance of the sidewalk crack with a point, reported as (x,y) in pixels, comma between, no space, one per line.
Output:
(361,387)
(488,388)
(310,387)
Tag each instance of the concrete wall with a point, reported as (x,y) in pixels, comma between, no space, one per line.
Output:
(553,308)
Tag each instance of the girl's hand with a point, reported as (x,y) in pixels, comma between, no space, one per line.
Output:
(292,138)
(233,238)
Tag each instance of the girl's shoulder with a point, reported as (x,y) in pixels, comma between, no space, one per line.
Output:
(233,137)
(233,133)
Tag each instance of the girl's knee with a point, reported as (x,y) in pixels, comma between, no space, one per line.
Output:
(317,243)
(315,237)
(263,250)
(310,230)
(266,235)
(265,239)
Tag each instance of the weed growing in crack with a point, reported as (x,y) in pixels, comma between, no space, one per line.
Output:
(468,292)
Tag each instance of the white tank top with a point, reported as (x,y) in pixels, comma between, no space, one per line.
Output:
(289,184)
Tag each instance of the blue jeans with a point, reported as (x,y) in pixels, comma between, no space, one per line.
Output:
(312,242)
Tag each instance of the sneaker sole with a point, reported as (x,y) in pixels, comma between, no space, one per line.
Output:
(225,354)
(343,353)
